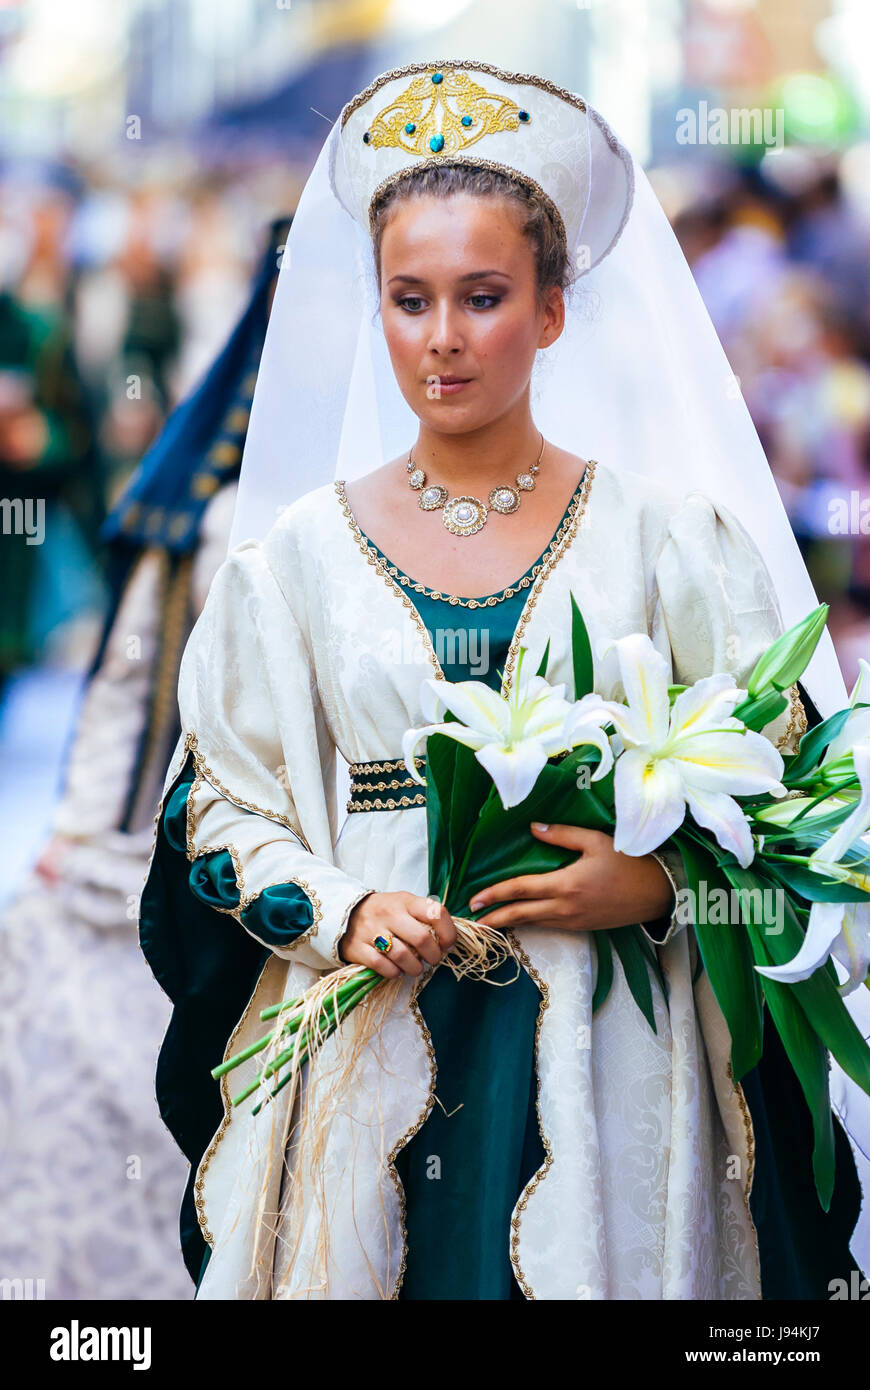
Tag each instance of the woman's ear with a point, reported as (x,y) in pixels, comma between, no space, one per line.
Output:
(554,317)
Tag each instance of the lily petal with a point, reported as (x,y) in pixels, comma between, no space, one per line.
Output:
(861,688)
(740,763)
(705,704)
(649,802)
(852,946)
(822,932)
(720,813)
(645,678)
(477,705)
(583,729)
(412,737)
(513,770)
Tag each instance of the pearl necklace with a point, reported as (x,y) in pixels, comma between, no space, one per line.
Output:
(465,515)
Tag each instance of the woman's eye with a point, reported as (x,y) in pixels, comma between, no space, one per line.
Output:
(413,302)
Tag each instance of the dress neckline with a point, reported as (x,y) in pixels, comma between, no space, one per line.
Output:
(485,600)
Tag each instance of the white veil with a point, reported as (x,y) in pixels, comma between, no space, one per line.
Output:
(638,379)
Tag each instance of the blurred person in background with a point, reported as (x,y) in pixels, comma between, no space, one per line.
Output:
(49,472)
(89,1177)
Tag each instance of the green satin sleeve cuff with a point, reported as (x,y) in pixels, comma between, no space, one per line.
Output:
(276,916)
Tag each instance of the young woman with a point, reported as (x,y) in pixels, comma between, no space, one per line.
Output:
(488,1138)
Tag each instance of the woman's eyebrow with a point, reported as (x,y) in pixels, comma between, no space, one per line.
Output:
(472,275)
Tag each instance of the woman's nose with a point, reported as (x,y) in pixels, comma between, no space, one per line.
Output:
(445,335)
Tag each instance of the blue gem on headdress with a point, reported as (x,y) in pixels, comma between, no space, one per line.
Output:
(523,115)
(466,120)
(436,143)
(410,128)
(366,137)
(437,77)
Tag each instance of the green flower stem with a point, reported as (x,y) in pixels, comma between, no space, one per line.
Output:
(240,1057)
(789,858)
(346,987)
(350,1001)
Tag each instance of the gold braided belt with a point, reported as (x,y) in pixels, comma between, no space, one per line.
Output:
(370,781)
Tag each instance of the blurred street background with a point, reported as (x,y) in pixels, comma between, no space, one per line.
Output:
(145,145)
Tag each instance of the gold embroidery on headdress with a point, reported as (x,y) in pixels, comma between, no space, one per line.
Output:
(443,112)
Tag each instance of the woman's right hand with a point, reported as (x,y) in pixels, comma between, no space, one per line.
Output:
(422,930)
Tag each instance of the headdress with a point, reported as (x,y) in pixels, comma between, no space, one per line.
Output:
(638,378)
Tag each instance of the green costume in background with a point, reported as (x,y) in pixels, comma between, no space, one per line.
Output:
(36,361)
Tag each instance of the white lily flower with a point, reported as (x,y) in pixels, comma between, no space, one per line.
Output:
(693,754)
(841,930)
(513,737)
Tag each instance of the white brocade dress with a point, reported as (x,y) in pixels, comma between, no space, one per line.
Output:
(309,648)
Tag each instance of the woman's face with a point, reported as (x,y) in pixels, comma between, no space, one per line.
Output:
(458,301)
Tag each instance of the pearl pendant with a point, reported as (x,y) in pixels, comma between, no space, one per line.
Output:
(504,499)
(463,516)
(433,497)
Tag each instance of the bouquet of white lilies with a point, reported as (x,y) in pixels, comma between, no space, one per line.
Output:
(785,838)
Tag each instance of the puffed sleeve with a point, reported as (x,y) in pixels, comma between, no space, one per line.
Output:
(264,761)
(716,607)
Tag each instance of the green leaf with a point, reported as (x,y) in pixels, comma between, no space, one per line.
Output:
(470,790)
(727,959)
(456,788)
(581,652)
(502,846)
(605,968)
(636,968)
(812,886)
(542,669)
(813,745)
(788,656)
(758,711)
(652,959)
(439,773)
(809,1061)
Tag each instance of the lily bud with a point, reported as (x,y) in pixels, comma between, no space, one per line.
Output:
(788,657)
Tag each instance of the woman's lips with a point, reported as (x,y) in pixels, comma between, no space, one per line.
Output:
(446,387)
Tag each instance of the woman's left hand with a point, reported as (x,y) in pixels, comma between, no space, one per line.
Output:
(600,889)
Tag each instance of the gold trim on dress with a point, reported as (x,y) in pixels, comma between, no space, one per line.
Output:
(749,1131)
(388,765)
(386,567)
(409,1133)
(375,560)
(541,1173)
(391,804)
(206,772)
(563,539)
(797,720)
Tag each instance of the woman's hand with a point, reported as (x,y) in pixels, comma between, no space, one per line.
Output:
(600,889)
(422,930)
